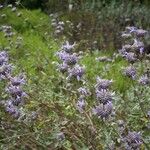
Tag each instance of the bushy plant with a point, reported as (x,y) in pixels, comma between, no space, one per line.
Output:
(75,99)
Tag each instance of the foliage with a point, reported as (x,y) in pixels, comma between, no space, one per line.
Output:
(57,123)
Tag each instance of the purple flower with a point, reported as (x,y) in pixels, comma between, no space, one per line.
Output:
(122,52)
(5,71)
(62,55)
(3,57)
(137,45)
(11,109)
(140,32)
(104,96)
(83,91)
(76,72)
(131,57)
(63,67)
(16,91)
(70,59)
(144,80)
(103,111)
(103,83)
(67,47)
(80,105)
(134,140)
(18,80)
(130,72)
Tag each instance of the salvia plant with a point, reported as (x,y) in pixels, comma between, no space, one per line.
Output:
(73,110)
(14,88)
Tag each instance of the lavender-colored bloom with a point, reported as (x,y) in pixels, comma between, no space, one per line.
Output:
(11,109)
(141,50)
(16,91)
(80,105)
(76,72)
(104,96)
(17,101)
(131,57)
(3,57)
(70,59)
(103,111)
(130,72)
(83,91)
(62,55)
(134,140)
(5,71)
(140,32)
(18,80)
(137,45)
(103,83)
(122,52)
(67,47)
(144,80)
(63,67)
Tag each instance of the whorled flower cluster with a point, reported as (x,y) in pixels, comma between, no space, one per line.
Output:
(83,94)
(5,67)
(73,70)
(133,141)
(130,140)
(69,62)
(104,98)
(132,51)
(14,87)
